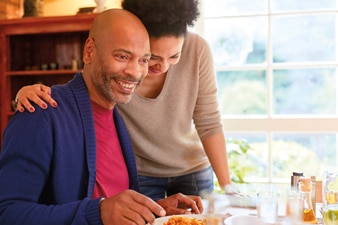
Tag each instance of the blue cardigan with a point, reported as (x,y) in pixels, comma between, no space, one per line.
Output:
(47,163)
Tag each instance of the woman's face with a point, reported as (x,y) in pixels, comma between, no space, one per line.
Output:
(165,51)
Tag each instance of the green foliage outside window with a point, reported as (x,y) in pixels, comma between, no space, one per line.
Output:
(250,160)
(238,160)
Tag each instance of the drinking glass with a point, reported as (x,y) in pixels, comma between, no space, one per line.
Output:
(267,206)
(330,198)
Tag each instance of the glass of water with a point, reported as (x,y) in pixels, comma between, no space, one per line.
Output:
(330,198)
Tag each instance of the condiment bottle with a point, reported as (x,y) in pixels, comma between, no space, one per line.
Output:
(307,210)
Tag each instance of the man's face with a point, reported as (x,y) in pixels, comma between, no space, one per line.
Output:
(118,66)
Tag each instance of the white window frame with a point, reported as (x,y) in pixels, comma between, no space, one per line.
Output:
(270,123)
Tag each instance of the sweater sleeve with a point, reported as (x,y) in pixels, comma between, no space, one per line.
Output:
(29,193)
(206,116)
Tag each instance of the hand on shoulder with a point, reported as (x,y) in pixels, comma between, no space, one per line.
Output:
(38,93)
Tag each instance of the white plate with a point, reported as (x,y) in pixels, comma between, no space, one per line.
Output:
(243,220)
(160,221)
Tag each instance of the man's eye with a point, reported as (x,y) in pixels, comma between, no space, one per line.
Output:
(123,57)
(144,60)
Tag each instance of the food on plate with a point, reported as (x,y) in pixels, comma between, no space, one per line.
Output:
(182,220)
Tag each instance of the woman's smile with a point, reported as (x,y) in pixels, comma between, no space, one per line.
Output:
(154,71)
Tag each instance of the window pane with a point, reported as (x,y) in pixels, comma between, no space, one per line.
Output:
(242,92)
(215,8)
(239,41)
(292,5)
(304,91)
(303,38)
(249,162)
(271,63)
(308,153)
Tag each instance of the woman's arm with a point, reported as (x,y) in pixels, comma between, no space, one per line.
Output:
(215,148)
(37,93)
(207,116)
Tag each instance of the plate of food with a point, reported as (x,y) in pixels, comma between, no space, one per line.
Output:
(191,219)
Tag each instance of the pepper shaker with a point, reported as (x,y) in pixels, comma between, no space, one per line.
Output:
(295,178)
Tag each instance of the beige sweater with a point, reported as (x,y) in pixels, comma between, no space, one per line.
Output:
(166,131)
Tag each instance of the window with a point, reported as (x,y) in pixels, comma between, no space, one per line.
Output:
(276,64)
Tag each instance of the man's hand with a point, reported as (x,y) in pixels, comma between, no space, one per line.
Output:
(181,204)
(129,207)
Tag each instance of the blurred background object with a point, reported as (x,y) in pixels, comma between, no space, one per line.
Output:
(33,8)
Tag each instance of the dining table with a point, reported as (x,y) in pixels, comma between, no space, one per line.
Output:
(238,209)
(226,206)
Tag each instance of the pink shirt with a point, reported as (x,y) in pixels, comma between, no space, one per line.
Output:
(111,170)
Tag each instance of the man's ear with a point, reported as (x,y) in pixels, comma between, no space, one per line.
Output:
(88,51)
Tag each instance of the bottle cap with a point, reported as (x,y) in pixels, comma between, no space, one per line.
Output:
(297,173)
(305,184)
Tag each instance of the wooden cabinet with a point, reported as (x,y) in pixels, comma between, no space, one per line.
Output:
(39,49)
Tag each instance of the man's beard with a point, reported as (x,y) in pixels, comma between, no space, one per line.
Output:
(107,90)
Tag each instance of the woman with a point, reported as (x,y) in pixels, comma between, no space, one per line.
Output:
(173,118)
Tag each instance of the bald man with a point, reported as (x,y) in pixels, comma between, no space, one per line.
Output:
(74,164)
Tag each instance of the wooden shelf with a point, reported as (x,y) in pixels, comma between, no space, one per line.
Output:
(31,42)
(40,72)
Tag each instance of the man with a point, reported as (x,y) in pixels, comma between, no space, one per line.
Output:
(74,164)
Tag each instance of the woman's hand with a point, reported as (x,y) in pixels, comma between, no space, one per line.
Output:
(181,204)
(37,93)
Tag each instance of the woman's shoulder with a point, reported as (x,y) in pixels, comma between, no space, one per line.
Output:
(195,45)
(194,38)
(195,42)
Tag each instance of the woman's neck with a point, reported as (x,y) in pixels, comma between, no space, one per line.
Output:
(151,86)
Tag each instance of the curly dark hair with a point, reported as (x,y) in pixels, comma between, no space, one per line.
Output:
(164,17)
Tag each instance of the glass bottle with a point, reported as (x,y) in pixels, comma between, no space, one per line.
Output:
(307,211)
